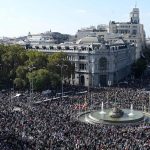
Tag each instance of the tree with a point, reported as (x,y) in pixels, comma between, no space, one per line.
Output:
(139,67)
(37,59)
(19,83)
(41,79)
(55,79)
(21,72)
(146,53)
(60,59)
(11,58)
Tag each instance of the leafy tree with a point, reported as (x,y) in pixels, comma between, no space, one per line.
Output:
(37,59)
(54,79)
(19,83)
(41,78)
(146,53)
(21,72)
(60,59)
(139,67)
(12,57)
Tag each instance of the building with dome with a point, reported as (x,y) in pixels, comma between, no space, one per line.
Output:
(41,40)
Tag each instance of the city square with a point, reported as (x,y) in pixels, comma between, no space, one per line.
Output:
(88,90)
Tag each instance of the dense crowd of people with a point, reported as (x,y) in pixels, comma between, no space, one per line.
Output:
(47,122)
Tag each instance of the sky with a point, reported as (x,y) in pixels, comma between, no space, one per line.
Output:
(18,17)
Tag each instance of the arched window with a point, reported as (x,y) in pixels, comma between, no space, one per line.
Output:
(103,63)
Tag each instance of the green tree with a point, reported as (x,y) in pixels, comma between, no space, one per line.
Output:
(37,59)
(19,83)
(21,72)
(139,67)
(41,79)
(54,79)
(11,58)
(60,59)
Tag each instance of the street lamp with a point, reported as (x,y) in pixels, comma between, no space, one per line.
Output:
(1,72)
(31,82)
(149,102)
(61,74)
(109,84)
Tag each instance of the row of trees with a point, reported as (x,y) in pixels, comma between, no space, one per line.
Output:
(19,67)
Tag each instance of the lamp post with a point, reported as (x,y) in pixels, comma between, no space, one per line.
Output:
(89,68)
(31,82)
(1,73)
(149,102)
(109,84)
(61,74)
(11,105)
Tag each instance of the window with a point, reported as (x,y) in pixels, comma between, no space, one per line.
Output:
(51,47)
(82,66)
(82,57)
(134,32)
(102,63)
(134,26)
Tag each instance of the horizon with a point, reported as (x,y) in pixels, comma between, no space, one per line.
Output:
(20,17)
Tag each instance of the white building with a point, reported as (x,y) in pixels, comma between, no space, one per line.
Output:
(98,31)
(42,40)
(131,31)
(97,63)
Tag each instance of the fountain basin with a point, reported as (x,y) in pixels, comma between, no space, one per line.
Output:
(96,118)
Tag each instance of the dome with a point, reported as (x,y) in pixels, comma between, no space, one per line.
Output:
(88,39)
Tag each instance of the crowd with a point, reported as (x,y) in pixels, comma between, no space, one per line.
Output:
(52,124)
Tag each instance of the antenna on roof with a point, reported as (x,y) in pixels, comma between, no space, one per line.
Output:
(135,4)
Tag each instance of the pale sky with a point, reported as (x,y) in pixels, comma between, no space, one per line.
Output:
(18,17)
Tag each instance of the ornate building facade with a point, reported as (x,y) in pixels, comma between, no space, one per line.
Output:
(97,64)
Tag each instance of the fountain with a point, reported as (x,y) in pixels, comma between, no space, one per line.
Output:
(131,111)
(113,116)
(116,112)
(102,109)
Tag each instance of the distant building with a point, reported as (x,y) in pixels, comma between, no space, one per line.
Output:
(131,31)
(92,31)
(42,40)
